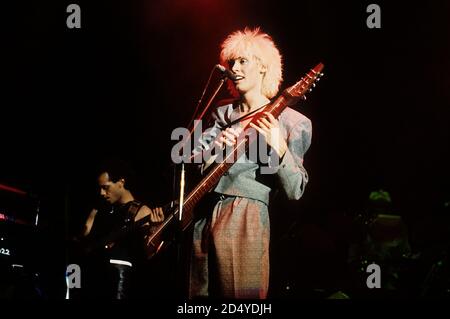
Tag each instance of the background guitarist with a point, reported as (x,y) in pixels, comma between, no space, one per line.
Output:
(230,257)
(119,209)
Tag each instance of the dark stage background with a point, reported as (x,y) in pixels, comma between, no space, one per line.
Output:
(135,70)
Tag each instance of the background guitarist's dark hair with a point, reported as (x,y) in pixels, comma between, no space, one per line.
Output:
(117,169)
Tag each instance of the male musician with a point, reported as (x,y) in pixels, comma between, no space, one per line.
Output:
(105,221)
(230,257)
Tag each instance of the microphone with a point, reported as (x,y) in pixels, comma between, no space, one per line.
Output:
(227,73)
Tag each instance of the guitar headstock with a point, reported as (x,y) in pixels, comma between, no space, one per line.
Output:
(306,83)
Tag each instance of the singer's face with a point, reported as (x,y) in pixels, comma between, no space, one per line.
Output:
(249,72)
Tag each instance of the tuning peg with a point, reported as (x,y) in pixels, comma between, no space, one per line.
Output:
(314,85)
(304,97)
(310,90)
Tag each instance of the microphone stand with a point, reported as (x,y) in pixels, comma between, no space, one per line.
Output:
(213,96)
(179,232)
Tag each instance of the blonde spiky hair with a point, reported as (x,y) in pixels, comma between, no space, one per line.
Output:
(261,46)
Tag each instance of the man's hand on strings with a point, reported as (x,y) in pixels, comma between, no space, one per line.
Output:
(228,137)
(269,127)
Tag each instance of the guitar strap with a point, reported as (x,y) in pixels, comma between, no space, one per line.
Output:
(134,208)
(246,116)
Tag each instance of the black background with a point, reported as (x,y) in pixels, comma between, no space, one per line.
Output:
(135,70)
